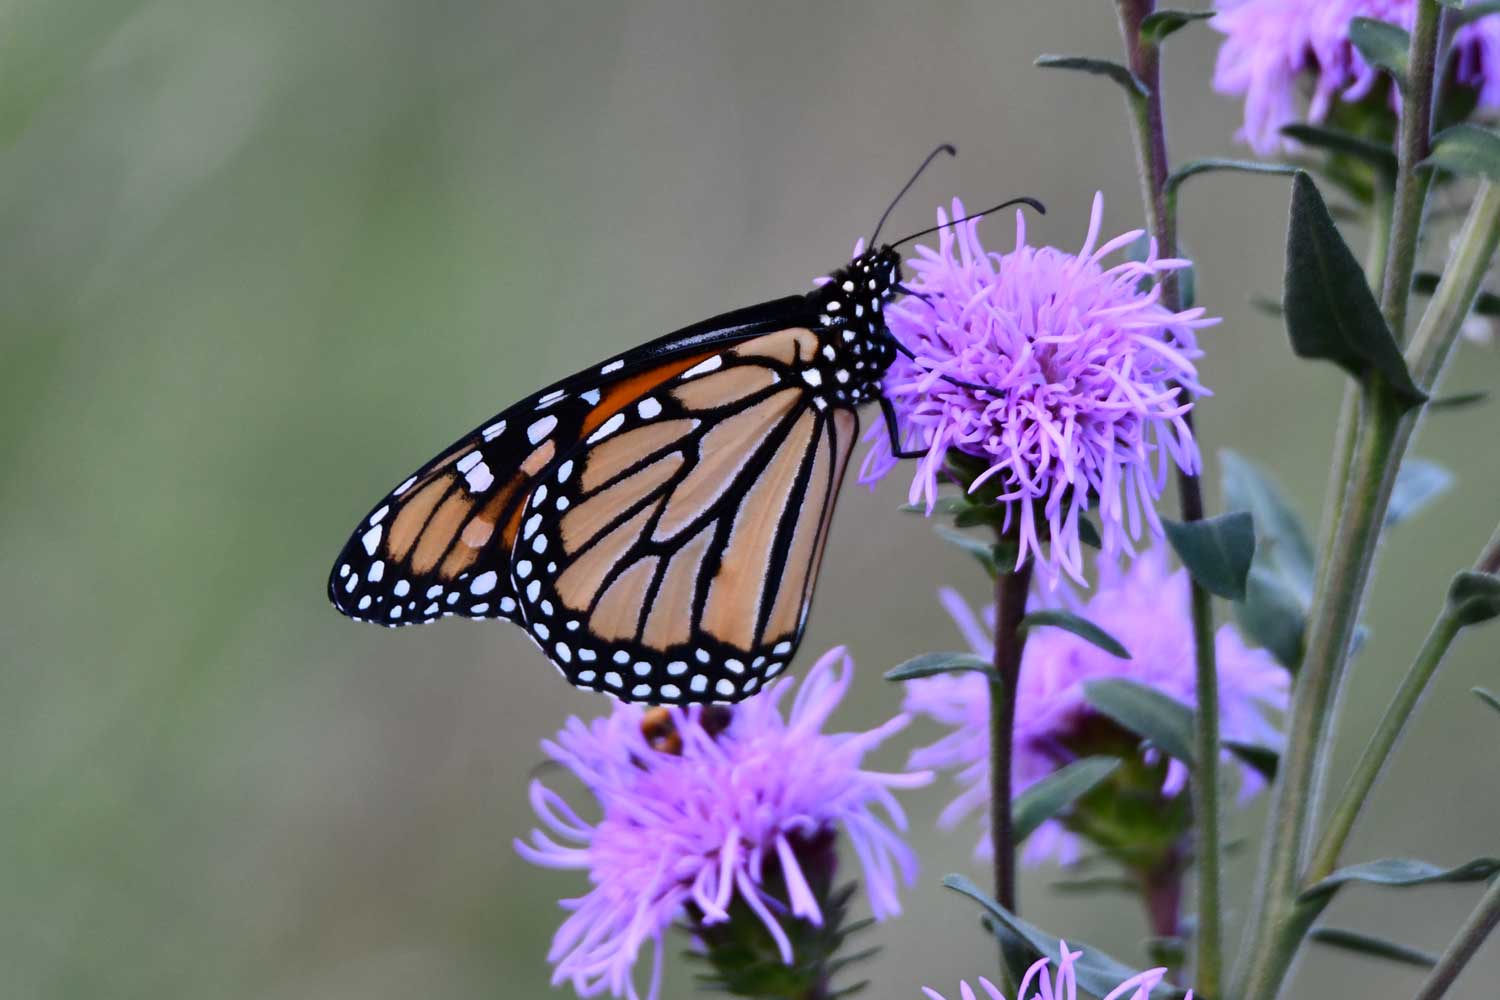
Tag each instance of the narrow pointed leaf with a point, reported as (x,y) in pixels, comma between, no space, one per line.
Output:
(1368,944)
(929,664)
(1459,401)
(1417,484)
(1281,536)
(1100,883)
(1466,149)
(1079,626)
(1216,550)
(1383,45)
(1158,25)
(1098,972)
(1474,597)
(1274,615)
(1056,792)
(1382,158)
(1261,758)
(981,550)
(1194,167)
(1490,698)
(1331,314)
(1132,84)
(1403,873)
(1145,711)
(1485,303)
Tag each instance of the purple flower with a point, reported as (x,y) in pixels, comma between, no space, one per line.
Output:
(1145,606)
(1270,44)
(691,826)
(1087,379)
(1063,983)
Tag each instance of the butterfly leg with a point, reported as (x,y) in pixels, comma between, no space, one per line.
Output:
(889,412)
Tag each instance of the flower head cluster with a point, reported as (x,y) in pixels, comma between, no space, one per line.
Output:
(1062,983)
(1067,378)
(692,826)
(1145,606)
(1270,45)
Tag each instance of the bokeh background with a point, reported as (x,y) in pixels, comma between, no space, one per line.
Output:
(259,260)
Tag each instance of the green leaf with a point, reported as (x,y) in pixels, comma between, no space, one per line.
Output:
(1079,626)
(1383,45)
(1490,698)
(1474,597)
(1134,88)
(1088,534)
(943,505)
(1342,143)
(1098,973)
(974,515)
(1331,314)
(1056,792)
(1145,711)
(1418,483)
(1473,12)
(1459,401)
(1258,757)
(1485,303)
(1216,550)
(1403,873)
(1466,149)
(1368,944)
(1157,26)
(1274,615)
(979,549)
(1281,538)
(1195,167)
(929,664)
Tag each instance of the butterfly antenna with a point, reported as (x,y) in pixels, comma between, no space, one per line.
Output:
(903,349)
(948,148)
(1029,202)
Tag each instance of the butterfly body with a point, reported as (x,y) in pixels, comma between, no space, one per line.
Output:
(654,523)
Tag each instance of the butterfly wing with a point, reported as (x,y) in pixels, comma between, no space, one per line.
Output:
(672,556)
(440,543)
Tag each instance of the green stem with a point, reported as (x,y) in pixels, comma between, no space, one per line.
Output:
(1161,217)
(1454,296)
(1325,859)
(1415,141)
(1481,922)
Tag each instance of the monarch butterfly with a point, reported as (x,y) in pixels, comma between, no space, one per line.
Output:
(654,523)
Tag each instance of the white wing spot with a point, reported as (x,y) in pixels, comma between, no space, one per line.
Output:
(479,609)
(698,683)
(591,397)
(640,691)
(587,655)
(523,568)
(370,539)
(551,397)
(431,609)
(648,408)
(402,588)
(403,487)
(468,461)
(613,679)
(828,352)
(483,583)
(613,366)
(724,686)
(621,656)
(812,376)
(435,590)
(377,570)
(350,584)
(453,597)
(539,430)
(562,503)
(702,655)
(676,668)
(564,471)
(540,545)
(382,512)
(642,668)
(507,604)
(532,523)
(396,611)
(364,602)
(494,430)
(533,589)
(704,367)
(587,676)
(563,652)
(343,571)
(541,630)
(782,648)
(734,666)
(480,478)
(609,426)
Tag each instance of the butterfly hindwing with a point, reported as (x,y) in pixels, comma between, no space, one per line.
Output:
(672,555)
(440,543)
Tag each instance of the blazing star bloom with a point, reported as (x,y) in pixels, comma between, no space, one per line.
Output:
(1270,44)
(1087,378)
(1063,983)
(1145,606)
(693,826)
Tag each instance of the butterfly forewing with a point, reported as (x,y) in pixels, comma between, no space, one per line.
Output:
(672,556)
(440,543)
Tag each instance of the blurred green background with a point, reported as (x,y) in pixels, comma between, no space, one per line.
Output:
(261,259)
